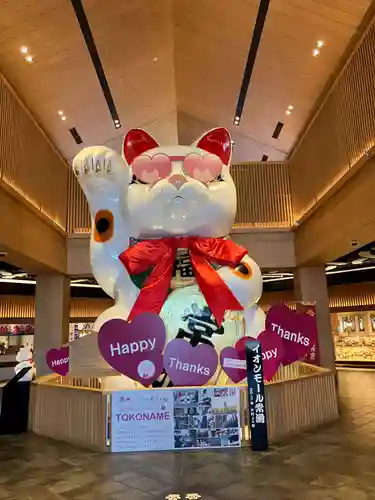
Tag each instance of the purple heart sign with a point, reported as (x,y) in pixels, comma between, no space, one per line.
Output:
(297,331)
(58,360)
(134,349)
(187,365)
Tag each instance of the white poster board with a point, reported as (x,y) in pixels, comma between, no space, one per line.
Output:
(150,420)
(141,420)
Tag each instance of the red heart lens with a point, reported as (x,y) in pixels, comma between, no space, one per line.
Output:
(150,169)
(205,168)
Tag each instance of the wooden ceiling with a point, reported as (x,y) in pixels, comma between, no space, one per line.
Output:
(174,67)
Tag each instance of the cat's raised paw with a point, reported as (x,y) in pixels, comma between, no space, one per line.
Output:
(100,165)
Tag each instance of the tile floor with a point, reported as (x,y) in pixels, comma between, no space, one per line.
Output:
(336,462)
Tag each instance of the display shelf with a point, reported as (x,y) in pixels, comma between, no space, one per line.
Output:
(355,348)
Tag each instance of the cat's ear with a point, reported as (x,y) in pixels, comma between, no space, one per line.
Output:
(136,142)
(218,142)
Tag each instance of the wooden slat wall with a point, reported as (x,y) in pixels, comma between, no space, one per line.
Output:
(28,162)
(263,198)
(343,297)
(78,215)
(14,306)
(263,194)
(342,132)
(340,297)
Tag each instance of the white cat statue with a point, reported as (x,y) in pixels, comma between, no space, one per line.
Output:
(161,216)
(25,360)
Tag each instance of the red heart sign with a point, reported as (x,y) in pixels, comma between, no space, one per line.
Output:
(187,365)
(134,349)
(233,362)
(297,331)
(58,360)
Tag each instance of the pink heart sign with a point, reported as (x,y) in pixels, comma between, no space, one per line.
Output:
(134,349)
(297,331)
(58,360)
(272,351)
(187,365)
(233,362)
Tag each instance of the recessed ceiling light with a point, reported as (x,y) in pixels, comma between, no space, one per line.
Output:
(60,113)
(29,59)
(320,44)
(24,50)
(288,112)
(290,107)
(316,52)
(63,118)
(155,59)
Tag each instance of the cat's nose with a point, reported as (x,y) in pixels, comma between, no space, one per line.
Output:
(177,180)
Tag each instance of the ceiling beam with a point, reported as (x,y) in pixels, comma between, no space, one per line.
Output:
(30,240)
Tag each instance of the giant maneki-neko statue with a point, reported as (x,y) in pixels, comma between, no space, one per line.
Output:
(161,219)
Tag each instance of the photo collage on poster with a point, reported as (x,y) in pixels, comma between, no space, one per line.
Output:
(206,418)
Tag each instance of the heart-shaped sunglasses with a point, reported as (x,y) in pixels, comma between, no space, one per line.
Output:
(150,169)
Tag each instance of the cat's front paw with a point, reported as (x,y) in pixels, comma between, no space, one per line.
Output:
(98,168)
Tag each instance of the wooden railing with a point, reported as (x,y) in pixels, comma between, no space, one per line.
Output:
(263,198)
(29,164)
(300,397)
(341,134)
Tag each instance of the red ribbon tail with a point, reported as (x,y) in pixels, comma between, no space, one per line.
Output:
(218,296)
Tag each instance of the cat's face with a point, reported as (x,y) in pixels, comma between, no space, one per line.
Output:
(181,190)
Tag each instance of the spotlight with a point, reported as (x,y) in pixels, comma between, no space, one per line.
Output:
(316,52)
(24,50)
(29,59)
(60,113)
(320,44)
(288,112)
(290,108)
(63,118)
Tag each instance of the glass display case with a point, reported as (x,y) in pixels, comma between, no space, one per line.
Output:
(354,336)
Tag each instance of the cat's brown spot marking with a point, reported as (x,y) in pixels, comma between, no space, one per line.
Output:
(243,271)
(104,226)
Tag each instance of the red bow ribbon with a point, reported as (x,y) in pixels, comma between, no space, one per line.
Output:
(160,255)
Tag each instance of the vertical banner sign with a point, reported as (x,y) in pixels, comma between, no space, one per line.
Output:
(309,308)
(257,402)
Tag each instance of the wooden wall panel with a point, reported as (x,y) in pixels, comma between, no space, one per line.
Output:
(263,198)
(78,215)
(342,132)
(28,162)
(31,240)
(361,295)
(263,194)
(18,306)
